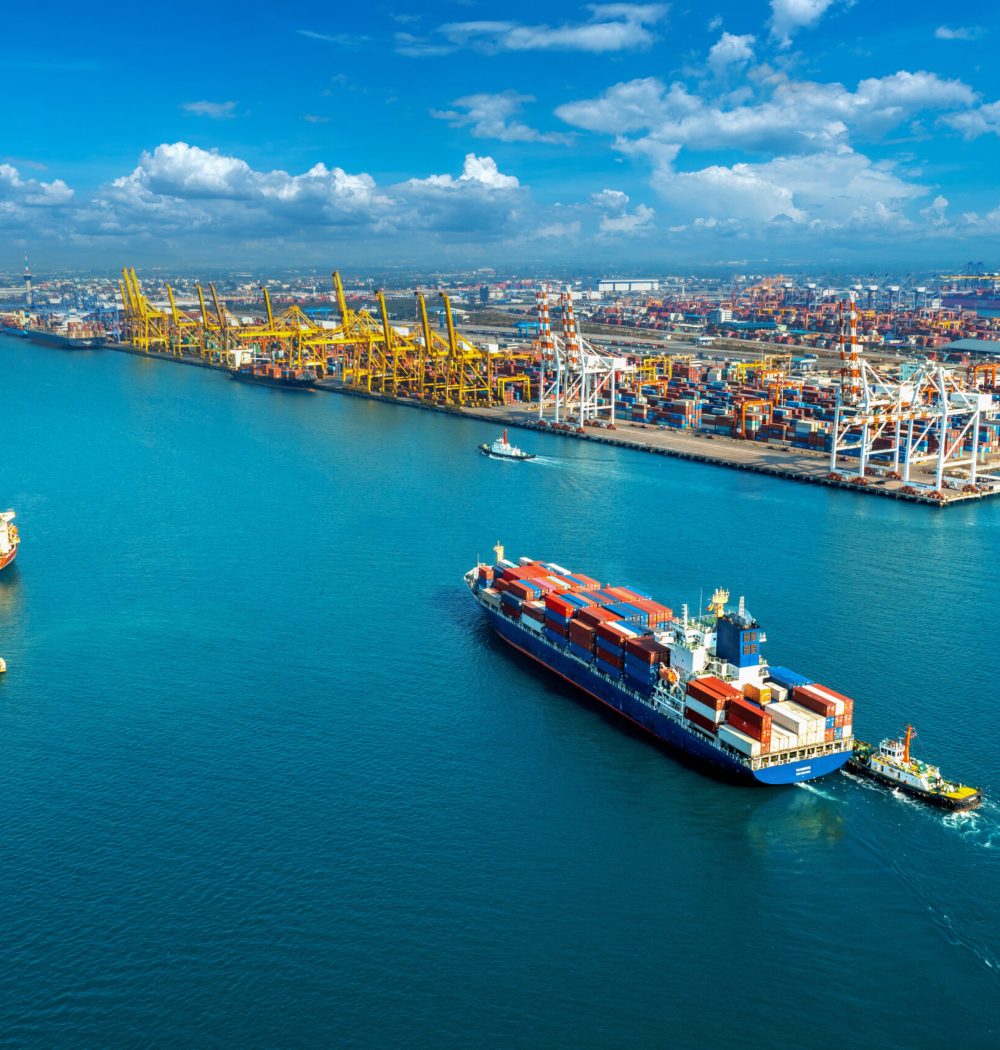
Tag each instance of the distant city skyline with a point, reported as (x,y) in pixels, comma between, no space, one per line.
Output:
(828,134)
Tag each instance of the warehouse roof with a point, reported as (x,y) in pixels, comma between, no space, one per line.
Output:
(973,346)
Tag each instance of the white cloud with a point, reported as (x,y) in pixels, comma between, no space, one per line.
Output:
(960,32)
(489,116)
(347,41)
(731,52)
(616,219)
(798,117)
(832,190)
(315,118)
(180,190)
(610,28)
(985,120)
(559,230)
(17,192)
(789,16)
(215,110)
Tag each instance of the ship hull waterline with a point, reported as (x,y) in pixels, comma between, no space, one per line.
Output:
(6,559)
(663,729)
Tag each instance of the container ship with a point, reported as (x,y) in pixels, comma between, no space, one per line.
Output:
(696,683)
(9,539)
(264,372)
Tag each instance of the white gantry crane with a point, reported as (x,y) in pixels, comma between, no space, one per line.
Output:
(931,419)
(577,379)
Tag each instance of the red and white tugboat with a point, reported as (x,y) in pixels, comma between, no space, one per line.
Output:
(503,449)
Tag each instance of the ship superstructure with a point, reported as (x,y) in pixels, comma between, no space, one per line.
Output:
(696,682)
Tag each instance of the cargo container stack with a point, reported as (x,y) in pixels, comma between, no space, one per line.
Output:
(696,682)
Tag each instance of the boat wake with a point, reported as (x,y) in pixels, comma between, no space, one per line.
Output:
(813,790)
(978,827)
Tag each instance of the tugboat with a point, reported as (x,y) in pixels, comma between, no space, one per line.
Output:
(502,449)
(892,764)
(9,539)
(265,372)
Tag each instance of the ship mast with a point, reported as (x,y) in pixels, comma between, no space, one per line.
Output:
(906,743)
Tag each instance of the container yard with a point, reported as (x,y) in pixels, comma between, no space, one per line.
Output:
(912,428)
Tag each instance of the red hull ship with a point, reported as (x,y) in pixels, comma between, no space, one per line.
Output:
(9,539)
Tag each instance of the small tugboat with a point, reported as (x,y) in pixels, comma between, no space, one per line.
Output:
(892,764)
(9,539)
(502,449)
(265,372)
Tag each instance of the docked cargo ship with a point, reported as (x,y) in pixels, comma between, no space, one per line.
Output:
(696,683)
(268,373)
(9,539)
(892,764)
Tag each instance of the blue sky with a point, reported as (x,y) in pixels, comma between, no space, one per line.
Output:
(766,132)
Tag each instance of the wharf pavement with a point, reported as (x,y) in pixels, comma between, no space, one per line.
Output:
(778,461)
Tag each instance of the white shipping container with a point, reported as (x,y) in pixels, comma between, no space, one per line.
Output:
(788,716)
(744,744)
(532,625)
(491,597)
(778,692)
(704,710)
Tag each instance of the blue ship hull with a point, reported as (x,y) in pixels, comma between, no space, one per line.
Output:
(622,700)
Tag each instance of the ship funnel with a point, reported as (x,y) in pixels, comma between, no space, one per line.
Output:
(499,551)
(743,608)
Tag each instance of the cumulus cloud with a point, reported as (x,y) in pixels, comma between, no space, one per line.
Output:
(16,192)
(179,190)
(960,33)
(215,110)
(731,52)
(616,219)
(984,120)
(836,189)
(610,28)
(797,117)
(789,16)
(489,116)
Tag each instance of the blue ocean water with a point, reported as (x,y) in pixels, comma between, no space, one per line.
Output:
(268,780)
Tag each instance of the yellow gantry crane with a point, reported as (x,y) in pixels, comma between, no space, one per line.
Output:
(146,328)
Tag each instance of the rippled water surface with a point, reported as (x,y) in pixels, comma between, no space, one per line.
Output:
(268,780)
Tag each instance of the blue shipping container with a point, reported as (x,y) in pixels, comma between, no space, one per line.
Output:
(578,650)
(789,679)
(553,637)
(611,669)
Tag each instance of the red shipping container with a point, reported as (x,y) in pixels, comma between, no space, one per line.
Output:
(835,694)
(588,583)
(560,605)
(595,616)
(747,711)
(555,626)
(612,632)
(813,701)
(699,720)
(830,735)
(839,722)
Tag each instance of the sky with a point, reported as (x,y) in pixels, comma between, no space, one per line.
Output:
(758,133)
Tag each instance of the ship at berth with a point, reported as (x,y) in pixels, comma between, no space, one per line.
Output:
(697,683)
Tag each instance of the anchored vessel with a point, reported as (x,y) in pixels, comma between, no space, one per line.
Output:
(696,683)
(502,449)
(266,373)
(9,539)
(893,764)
